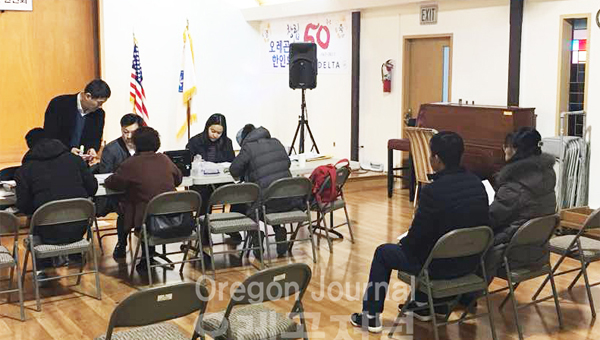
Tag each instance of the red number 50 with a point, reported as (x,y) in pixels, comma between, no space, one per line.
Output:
(308,37)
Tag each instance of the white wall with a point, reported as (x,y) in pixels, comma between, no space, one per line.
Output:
(539,70)
(479,63)
(226,53)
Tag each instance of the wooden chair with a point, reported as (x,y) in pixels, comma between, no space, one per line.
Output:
(419,149)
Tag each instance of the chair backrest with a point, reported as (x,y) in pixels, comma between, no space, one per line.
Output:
(63,211)
(159,304)
(462,242)
(537,232)
(593,221)
(272,284)
(235,194)
(341,176)
(287,188)
(173,202)
(419,149)
(8,174)
(9,224)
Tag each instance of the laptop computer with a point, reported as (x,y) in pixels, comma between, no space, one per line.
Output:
(182,159)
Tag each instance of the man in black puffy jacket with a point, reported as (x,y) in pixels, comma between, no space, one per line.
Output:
(50,172)
(455,199)
(263,160)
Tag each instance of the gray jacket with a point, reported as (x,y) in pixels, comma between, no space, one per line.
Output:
(525,190)
(113,154)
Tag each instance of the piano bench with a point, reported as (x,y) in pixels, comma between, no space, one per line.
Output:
(400,145)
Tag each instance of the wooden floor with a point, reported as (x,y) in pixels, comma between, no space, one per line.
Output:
(68,312)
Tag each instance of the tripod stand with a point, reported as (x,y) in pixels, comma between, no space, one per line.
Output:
(302,121)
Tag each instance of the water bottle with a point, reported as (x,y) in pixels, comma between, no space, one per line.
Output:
(197,166)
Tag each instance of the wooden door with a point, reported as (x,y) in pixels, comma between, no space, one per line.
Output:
(50,51)
(425,59)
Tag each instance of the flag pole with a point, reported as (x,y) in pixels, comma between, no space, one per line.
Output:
(188,119)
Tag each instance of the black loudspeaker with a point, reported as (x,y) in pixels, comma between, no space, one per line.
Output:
(303,65)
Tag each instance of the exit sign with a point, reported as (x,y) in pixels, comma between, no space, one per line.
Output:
(429,14)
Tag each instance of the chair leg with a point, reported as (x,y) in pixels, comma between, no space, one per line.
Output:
(558,311)
(349,225)
(147,251)
(80,270)
(507,297)
(36,284)
(329,242)
(98,236)
(416,195)
(588,289)
(25,265)
(135,254)
(20,286)
(577,277)
(432,310)
(390,174)
(185,254)
(514,304)
(539,290)
(96,271)
(10,281)
(490,316)
(312,240)
(268,245)
(212,254)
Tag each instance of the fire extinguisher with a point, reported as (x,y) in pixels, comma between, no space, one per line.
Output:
(386,75)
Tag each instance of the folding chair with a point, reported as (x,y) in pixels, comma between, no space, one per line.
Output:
(242,193)
(9,226)
(173,202)
(455,244)
(578,247)
(323,209)
(252,320)
(534,233)
(55,213)
(148,309)
(289,188)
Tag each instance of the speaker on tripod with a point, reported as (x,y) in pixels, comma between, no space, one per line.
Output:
(303,75)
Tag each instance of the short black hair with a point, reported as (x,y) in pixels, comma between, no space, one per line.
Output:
(528,142)
(448,146)
(508,140)
(34,136)
(130,119)
(98,88)
(246,130)
(146,139)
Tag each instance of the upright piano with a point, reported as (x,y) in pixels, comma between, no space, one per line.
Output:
(483,129)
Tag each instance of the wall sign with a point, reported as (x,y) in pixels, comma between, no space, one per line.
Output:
(16,5)
(331,33)
(429,14)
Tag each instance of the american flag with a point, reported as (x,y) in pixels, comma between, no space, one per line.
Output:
(137,95)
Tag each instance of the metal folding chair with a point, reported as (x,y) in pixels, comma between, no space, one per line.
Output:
(247,318)
(148,309)
(9,226)
(534,233)
(580,248)
(174,202)
(243,193)
(56,213)
(289,188)
(455,244)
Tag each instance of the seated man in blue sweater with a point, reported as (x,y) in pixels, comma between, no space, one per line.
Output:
(455,199)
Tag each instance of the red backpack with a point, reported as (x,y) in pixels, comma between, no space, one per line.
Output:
(318,177)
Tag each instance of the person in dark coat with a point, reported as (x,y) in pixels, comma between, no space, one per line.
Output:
(141,184)
(78,119)
(456,199)
(113,154)
(263,160)
(212,143)
(214,146)
(50,172)
(524,190)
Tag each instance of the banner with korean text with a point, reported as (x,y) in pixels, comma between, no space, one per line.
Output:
(331,32)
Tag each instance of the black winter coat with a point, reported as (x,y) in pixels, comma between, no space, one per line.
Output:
(263,160)
(50,172)
(59,122)
(525,190)
(200,143)
(456,199)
